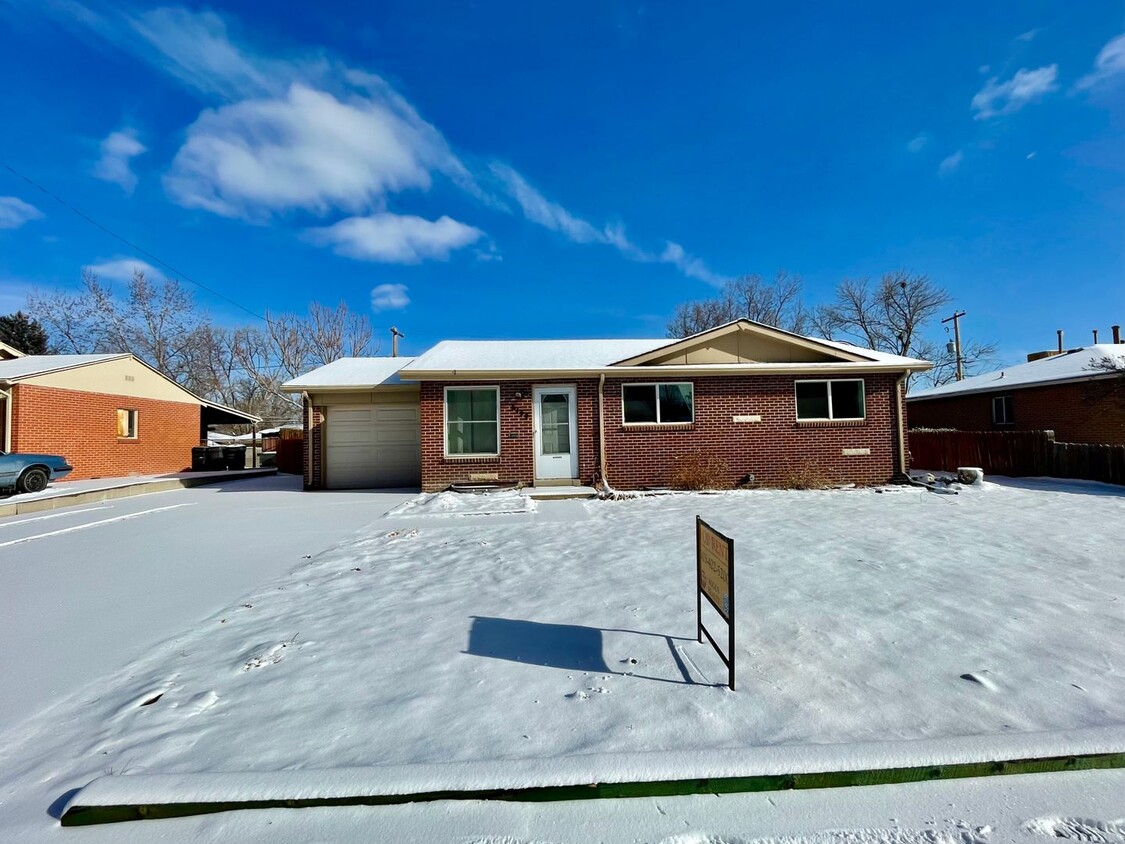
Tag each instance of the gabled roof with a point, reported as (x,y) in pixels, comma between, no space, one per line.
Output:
(29,366)
(8,352)
(838,351)
(1074,365)
(350,373)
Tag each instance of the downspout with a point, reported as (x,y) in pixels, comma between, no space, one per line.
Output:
(901,424)
(7,420)
(601,433)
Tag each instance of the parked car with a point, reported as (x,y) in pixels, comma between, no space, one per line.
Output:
(31,472)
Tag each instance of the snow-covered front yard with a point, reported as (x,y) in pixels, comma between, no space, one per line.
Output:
(567,629)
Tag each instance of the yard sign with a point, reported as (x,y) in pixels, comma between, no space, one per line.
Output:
(714,571)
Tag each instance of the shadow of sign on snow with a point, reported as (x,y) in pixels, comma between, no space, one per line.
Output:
(568,646)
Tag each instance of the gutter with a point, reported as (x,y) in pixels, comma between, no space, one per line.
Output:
(601,434)
(698,370)
(7,393)
(901,423)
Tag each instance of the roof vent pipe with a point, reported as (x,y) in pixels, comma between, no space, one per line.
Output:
(1095,336)
(1060,332)
(1116,329)
(395,334)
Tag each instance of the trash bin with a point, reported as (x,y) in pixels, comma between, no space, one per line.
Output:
(199,458)
(234,456)
(215,460)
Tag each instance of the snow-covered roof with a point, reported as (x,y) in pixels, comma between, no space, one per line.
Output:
(499,355)
(351,372)
(878,357)
(1075,365)
(31,365)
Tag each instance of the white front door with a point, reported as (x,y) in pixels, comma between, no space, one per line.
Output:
(556,433)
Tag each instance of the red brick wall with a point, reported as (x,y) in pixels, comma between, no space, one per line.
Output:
(637,457)
(83,428)
(1077,413)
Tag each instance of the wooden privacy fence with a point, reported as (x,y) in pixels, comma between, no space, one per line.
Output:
(1017,454)
(290,455)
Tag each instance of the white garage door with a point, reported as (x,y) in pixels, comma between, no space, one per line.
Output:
(372,446)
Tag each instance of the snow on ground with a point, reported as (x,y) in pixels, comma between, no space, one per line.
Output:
(864,616)
(496,503)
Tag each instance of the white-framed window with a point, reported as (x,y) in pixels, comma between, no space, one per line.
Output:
(836,399)
(1003,412)
(657,404)
(127,424)
(472,421)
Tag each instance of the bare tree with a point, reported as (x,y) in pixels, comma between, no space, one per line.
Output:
(776,303)
(1110,390)
(975,357)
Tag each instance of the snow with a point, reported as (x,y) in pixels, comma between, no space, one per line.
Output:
(29,365)
(465,504)
(891,627)
(496,355)
(351,372)
(1071,366)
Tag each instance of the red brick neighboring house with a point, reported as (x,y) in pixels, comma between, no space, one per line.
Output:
(1066,393)
(762,402)
(109,415)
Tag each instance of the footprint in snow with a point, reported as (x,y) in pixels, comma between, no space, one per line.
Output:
(265,654)
(1078,829)
(980,679)
(200,703)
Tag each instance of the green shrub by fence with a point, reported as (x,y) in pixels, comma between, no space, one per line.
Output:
(1017,454)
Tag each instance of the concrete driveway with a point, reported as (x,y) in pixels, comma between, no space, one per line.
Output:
(188,552)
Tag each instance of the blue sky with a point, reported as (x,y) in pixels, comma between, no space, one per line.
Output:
(519,170)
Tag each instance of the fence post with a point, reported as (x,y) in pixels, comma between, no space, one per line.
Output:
(1049,454)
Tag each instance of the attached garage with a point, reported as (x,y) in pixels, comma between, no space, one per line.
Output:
(362,426)
(372,446)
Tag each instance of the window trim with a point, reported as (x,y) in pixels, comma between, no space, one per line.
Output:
(134,416)
(1009,418)
(656,385)
(830,417)
(445,421)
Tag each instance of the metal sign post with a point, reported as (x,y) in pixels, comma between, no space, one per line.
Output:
(714,575)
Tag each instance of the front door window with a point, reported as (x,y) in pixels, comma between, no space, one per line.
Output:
(554,415)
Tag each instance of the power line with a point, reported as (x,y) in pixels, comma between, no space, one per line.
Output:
(129,243)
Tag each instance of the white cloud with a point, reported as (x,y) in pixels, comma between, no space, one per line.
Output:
(689,265)
(997,97)
(1109,64)
(306,150)
(14,212)
(918,142)
(395,239)
(121,269)
(1028,36)
(389,297)
(950,163)
(118,150)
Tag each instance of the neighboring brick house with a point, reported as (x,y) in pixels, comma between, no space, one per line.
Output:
(1066,393)
(109,415)
(763,402)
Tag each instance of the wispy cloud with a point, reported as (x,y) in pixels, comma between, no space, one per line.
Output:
(395,239)
(1109,65)
(950,163)
(309,133)
(389,297)
(1029,36)
(121,269)
(918,142)
(997,98)
(537,208)
(14,212)
(118,150)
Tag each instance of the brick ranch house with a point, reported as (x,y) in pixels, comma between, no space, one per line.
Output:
(109,415)
(763,401)
(1062,392)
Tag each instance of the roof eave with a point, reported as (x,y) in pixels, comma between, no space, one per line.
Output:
(704,370)
(1000,387)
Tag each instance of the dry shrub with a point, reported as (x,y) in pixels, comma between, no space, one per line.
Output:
(701,471)
(808,474)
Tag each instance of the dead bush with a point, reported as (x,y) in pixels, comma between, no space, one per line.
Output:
(807,474)
(701,471)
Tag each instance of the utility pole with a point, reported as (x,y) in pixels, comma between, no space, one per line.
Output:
(957,341)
